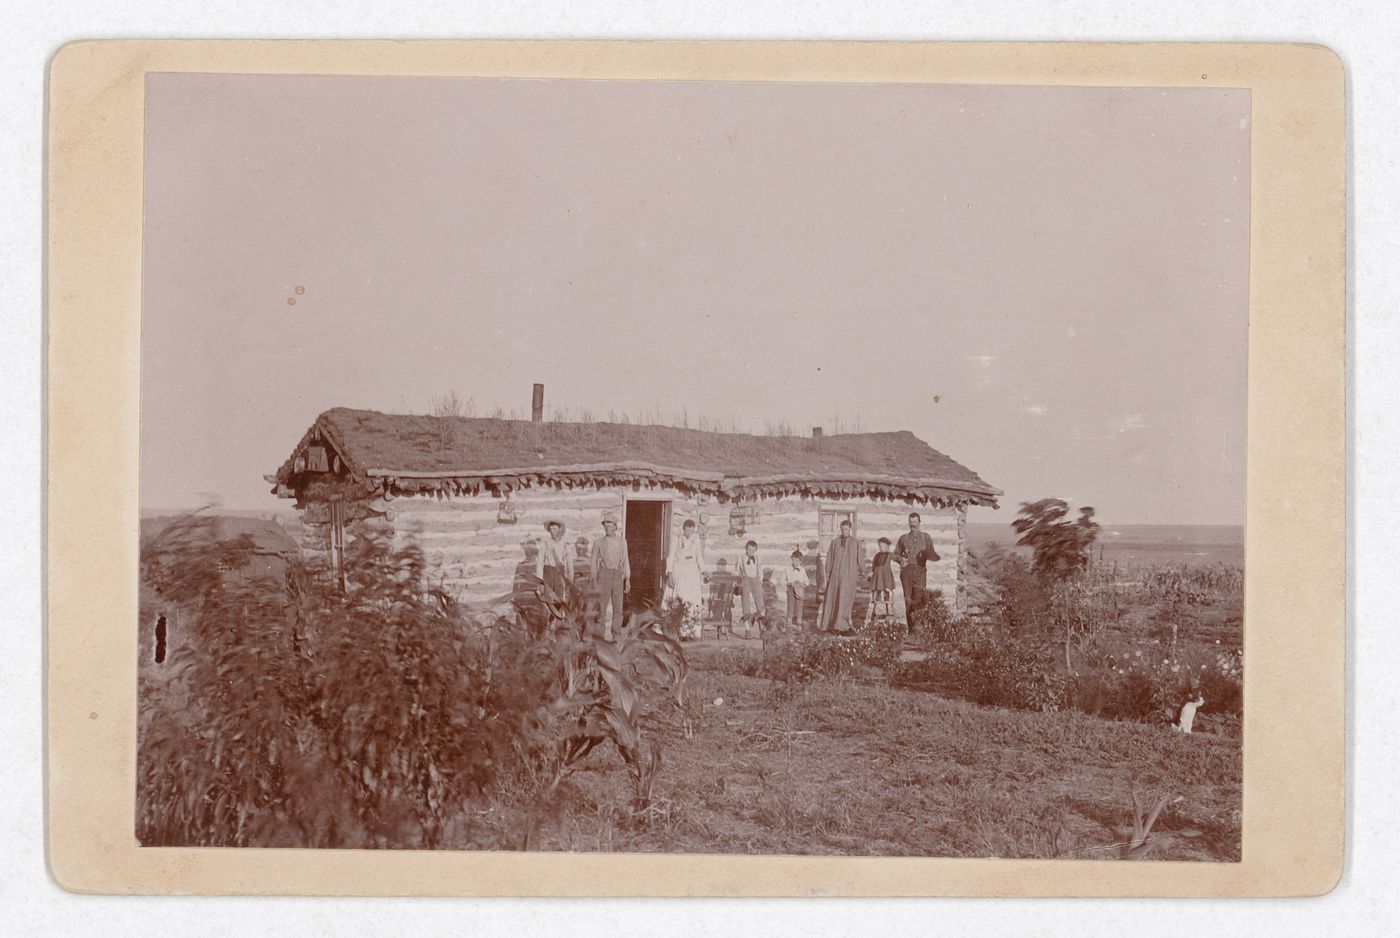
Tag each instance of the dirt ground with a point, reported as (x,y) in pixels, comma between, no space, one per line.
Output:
(855,767)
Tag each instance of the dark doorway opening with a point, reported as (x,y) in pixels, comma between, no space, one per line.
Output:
(647,529)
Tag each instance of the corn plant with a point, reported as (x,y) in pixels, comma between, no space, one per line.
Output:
(1191,584)
(597,690)
(1140,840)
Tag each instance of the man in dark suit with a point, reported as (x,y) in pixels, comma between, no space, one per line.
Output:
(913,551)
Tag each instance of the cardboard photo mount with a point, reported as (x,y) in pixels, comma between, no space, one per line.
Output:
(1294,637)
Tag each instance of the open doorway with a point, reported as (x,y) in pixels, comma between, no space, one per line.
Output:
(648,526)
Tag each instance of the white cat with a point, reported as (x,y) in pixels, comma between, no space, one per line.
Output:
(1188,714)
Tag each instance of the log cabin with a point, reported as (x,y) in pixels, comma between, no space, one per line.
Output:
(473,493)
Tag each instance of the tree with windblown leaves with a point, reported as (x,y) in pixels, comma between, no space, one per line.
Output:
(1061,546)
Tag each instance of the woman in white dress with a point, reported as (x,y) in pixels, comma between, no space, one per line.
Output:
(685,579)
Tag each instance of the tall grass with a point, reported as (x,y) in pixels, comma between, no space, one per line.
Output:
(451,405)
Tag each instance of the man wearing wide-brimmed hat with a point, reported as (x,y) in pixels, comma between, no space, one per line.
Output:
(554,559)
(612,574)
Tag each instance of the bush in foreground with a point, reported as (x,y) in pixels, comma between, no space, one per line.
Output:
(364,713)
(988,672)
(801,657)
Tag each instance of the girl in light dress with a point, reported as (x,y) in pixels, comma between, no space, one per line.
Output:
(685,579)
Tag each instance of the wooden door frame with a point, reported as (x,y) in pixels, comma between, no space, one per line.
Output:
(666,512)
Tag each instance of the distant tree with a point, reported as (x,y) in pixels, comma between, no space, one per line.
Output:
(447,405)
(446,408)
(1062,547)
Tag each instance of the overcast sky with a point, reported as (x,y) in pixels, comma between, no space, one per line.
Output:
(1048,285)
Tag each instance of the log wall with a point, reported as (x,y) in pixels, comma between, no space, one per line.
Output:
(472,556)
(786,524)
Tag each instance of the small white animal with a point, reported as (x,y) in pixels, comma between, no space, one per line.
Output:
(1188,714)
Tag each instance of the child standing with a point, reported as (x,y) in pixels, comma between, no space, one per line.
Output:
(881,573)
(881,583)
(751,586)
(795,578)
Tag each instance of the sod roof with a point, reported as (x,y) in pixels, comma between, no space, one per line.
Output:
(416,453)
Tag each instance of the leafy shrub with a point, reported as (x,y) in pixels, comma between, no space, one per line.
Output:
(1022,611)
(751,662)
(990,673)
(1151,682)
(881,643)
(933,621)
(807,656)
(1223,689)
(1130,697)
(1022,677)
(307,714)
(316,717)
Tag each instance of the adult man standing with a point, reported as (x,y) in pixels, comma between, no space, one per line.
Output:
(612,575)
(913,575)
(554,559)
(843,563)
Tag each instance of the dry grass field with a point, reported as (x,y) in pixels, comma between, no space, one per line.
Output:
(854,767)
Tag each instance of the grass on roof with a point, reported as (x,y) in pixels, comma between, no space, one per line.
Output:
(463,444)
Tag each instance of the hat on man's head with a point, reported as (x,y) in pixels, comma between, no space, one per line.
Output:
(553,521)
(610,519)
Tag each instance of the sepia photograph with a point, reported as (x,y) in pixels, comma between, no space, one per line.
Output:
(693,467)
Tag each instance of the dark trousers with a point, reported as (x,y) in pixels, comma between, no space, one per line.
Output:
(554,579)
(912,579)
(609,587)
